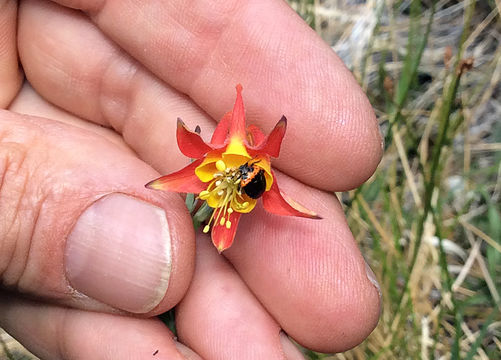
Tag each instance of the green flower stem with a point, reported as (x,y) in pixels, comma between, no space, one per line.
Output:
(191,202)
(202,215)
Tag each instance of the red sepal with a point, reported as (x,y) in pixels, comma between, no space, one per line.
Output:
(222,238)
(237,125)
(221,132)
(189,142)
(271,145)
(275,202)
(182,181)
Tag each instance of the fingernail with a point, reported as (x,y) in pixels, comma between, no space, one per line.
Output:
(119,253)
(372,278)
(186,352)
(290,350)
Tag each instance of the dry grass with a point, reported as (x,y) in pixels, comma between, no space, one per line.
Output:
(429,220)
(11,349)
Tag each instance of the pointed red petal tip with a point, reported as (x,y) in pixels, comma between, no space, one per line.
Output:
(182,181)
(222,237)
(237,126)
(273,142)
(190,143)
(276,202)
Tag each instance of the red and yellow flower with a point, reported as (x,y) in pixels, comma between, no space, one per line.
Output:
(231,172)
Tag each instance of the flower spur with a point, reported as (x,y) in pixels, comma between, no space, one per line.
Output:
(231,173)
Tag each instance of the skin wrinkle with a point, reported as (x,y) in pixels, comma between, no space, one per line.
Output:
(28,208)
(9,278)
(9,227)
(124,73)
(29,102)
(88,7)
(139,118)
(51,63)
(29,244)
(62,326)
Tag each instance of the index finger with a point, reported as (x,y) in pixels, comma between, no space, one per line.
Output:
(204,48)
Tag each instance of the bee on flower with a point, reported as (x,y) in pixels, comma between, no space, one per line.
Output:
(231,172)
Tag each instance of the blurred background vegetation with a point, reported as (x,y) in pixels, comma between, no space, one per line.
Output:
(429,220)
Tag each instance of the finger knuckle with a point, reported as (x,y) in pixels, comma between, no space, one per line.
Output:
(17,220)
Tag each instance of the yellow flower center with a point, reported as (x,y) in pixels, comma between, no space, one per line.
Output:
(225,195)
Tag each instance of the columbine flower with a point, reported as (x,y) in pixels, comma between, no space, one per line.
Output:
(231,172)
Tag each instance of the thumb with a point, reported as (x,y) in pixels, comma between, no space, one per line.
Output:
(78,227)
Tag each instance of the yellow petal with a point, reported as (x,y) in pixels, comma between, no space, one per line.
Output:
(205,171)
(234,161)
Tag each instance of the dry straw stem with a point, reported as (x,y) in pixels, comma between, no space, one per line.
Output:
(11,349)
(483,267)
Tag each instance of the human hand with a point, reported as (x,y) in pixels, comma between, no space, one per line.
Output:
(90,245)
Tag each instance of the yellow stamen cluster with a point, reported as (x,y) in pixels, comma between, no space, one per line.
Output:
(224,195)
